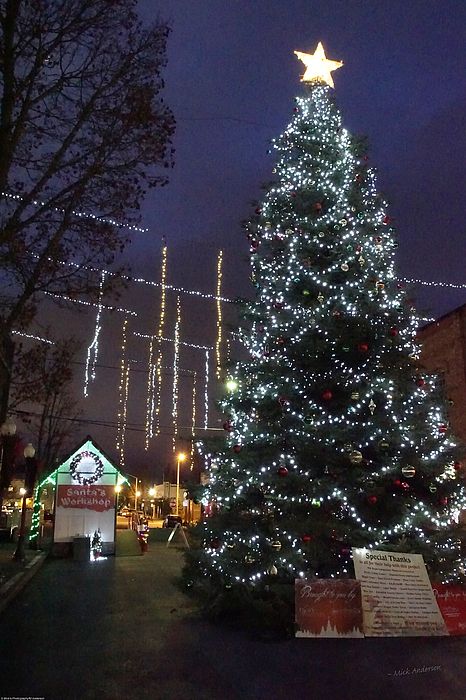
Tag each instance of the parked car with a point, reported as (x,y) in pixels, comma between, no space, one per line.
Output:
(172,521)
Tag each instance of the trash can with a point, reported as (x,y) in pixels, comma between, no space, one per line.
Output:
(81,548)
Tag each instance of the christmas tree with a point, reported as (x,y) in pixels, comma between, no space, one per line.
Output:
(335,437)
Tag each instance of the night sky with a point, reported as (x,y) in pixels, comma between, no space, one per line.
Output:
(231,80)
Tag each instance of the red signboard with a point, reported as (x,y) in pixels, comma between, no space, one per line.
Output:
(452,603)
(92,497)
(328,608)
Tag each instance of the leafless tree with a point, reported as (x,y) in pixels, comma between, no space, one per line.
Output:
(83,130)
(42,396)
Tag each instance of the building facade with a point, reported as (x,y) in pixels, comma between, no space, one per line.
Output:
(444,353)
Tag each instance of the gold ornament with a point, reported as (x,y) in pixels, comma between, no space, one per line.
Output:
(320,297)
(408,471)
(355,457)
(272,570)
(277,545)
(345,267)
(318,66)
(372,406)
(355,395)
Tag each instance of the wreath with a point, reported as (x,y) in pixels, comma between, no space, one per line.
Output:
(76,463)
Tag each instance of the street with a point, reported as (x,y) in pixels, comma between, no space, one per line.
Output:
(120,628)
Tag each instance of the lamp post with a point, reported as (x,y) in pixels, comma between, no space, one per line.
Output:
(180,457)
(136,492)
(117,493)
(29,453)
(7,431)
(152,495)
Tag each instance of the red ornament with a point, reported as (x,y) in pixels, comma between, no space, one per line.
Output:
(237,448)
(404,485)
(420,381)
(327,395)
(283,400)
(278,305)
(258,210)
(387,219)
(443,501)
(458,466)
(282,471)
(397,482)
(307,538)
(254,245)
(358,248)
(363,347)
(372,500)
(393,332)
(215,543)
(318,207)
(358,178)
(227,426)
(443,429)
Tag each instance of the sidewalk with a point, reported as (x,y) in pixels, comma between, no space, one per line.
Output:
(15,574)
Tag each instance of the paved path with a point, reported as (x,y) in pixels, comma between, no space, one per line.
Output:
(120,629)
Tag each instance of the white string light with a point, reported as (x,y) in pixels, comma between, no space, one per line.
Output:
(219,315)
(451,285)
(102,307)
(123,391)
(193,425)
(176,355)
(154,375)
(33,337)
(207,349)
(206,390)
(80,214)
(93,349)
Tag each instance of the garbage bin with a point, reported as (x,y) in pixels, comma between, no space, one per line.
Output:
(81,548)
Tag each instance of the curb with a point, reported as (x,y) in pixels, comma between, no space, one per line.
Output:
(15,584)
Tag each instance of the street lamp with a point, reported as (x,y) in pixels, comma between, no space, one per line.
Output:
(117,493)
(136,492)
(152,493)
(29,453)
(180,457)
(7,432)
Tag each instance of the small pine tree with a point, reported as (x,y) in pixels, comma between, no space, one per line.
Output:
(335,436)
(96,543)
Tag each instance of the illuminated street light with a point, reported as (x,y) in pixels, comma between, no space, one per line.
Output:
(30,473)
(180,457)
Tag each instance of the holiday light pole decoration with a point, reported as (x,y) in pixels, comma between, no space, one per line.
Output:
(334,436)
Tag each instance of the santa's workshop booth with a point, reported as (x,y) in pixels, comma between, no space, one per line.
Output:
(85,499)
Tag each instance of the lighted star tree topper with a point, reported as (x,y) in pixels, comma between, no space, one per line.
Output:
(335,437)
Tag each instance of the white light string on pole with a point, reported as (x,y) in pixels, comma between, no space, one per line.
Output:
(218,345)
(93,349)
(176,356)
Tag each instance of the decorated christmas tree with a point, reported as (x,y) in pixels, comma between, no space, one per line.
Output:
(334,436)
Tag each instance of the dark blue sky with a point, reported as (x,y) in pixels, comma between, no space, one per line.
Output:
(231,80)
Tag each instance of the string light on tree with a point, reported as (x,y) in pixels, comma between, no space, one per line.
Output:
(331,442)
